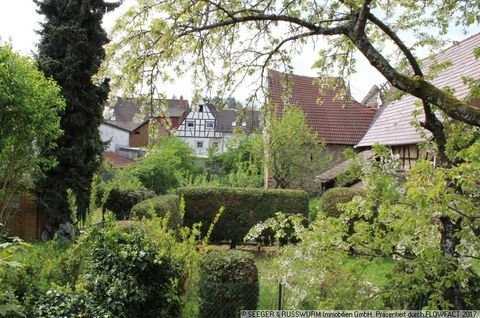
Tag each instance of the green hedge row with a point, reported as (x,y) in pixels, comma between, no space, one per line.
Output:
(161,205)
(243,208)
(333,196)
(120,201)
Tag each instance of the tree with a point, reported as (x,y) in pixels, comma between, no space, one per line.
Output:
(70,51)
(29,125)
(294,151)
(161,170)
(240,37)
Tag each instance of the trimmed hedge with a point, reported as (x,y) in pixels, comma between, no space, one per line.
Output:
(228,284)
(162,205)
(243,208)
(333,196)
(121,201)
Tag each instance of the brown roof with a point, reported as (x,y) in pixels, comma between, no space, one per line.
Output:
(224,119)
(125,110)
(338,119)
(124,125)
(116,160)
(393,124)
(343,166)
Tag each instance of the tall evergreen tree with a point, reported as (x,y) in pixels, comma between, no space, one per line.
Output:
(71,51)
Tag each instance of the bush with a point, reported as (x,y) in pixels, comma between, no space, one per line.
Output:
(333,196)
(279,230)
(243,208)
(62,302)
(228,284)
(129,277)
(161,205)
(121,200)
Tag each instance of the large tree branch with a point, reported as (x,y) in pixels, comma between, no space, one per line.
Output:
(398,42)
(318,30)
(417,86)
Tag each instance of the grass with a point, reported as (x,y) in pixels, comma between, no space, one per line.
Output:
(313,208)
(268,296)
(375,272)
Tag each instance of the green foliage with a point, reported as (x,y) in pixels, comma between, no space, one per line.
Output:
(241,149)
(228,283)
(70,52)
(29,123)
(121,200)
(162,168)
(127,269)
(353,172)
(243,208)
(332,197)
(160,206)
(294,151)
(129,277)
(431,277)
(56,263)
(279,230)
(62,302)
(316,272)
(314,207)
(9,305)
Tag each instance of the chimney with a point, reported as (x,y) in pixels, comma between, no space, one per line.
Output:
(180,102)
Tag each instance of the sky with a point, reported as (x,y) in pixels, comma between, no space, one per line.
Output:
(19,20)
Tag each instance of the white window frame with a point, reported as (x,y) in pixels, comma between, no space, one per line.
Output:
(209,122)
(190,122)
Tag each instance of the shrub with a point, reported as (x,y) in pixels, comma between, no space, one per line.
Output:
(161,205)
(41,265)
(121,200)
(279,230)
(61,302)
(228,284)
(129,277)
(243,208)
(333,196)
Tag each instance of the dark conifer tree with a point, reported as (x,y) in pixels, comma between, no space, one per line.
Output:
(71,51)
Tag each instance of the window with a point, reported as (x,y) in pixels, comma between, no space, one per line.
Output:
(199,144)
(190,124)
(234,124)
(209,125)
(200,108)
(244,124)
(215,144)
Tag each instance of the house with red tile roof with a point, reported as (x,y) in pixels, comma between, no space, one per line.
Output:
(393,125)
(330,112)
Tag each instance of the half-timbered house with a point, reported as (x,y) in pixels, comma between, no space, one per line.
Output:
(198,129)
(205,127)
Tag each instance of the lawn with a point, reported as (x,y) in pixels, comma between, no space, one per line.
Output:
(374,272)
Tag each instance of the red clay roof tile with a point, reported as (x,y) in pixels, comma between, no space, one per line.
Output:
(116,160)
(336,119)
